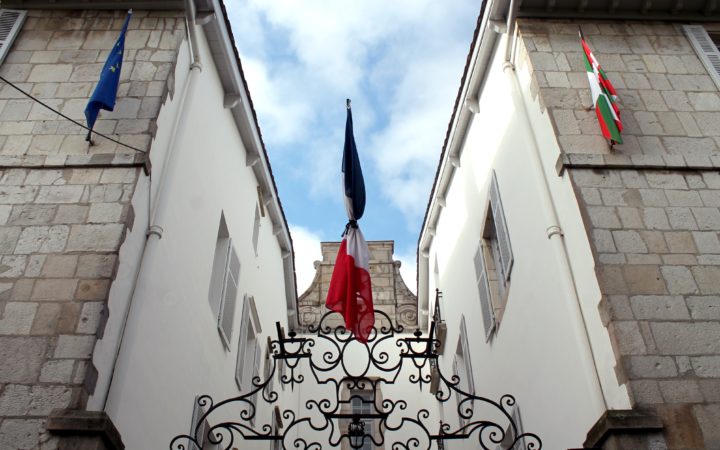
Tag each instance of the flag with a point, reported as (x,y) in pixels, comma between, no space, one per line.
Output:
(106,90)
(603,96)
(350,291)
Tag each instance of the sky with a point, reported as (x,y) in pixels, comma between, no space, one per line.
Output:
(400,62)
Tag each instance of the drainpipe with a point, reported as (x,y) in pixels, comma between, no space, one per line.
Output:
(553,230)
(156,210)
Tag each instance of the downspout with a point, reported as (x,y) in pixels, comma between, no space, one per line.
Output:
(553,230)
(155,209)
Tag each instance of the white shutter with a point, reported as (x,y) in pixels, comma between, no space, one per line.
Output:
(466,356)
(503,238)
(269,374)
(706,50)
(10,23)
(242,342)
(201,434)
(484,291)
(255,371)
(230,290)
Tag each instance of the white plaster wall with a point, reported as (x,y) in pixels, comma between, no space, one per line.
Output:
(172,350)
(536,354)
(130,253)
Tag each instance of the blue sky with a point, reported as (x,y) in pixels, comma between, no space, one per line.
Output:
(400,62)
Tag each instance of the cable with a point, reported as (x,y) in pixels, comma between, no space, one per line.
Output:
(68,118)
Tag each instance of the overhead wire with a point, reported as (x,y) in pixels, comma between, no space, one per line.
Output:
(35,99)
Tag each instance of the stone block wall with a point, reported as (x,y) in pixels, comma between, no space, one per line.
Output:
(669,104)
(65,205)
(390,294)
(651,207)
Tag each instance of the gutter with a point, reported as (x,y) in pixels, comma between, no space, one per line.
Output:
(156,209)
(553,230)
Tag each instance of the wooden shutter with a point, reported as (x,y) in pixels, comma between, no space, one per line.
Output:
(230,290)
(195,425)
(465,346)
(10,24)
(255,370)
(242,342)
(269,361)
(481,277)
(706,50)
(503,238)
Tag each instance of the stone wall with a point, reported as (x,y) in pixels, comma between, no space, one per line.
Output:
(651,208)
(390,294)
(65,205)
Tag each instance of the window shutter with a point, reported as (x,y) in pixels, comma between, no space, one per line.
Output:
(242,342)
(503,238)
(484,291)
(256,363)
(255,371)
(466,356)
(10,23)
(230,290)
(195,425)
(706,50)
(269,375)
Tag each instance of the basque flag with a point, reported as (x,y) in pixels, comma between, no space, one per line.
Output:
(106,90)
(350,291)
(604,96)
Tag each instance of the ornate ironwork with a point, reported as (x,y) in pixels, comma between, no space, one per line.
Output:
(334,420)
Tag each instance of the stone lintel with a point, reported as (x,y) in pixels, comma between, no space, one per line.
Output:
(99,160)
(636,162)
(84,429)
(615,423)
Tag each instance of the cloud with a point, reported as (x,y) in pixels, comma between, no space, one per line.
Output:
(401,63)
(307,250)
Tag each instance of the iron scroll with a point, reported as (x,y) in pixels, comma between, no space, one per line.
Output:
(332,422)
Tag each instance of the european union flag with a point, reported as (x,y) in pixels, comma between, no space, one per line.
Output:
(106,90)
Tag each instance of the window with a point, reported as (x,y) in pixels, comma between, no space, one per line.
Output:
(249,356)
(224,282)
(462,367)
(362,403)
(269,375)
(10,24)
(256,230)
(510,437)
(276,426)
(200,430)
(707,47)
(493,262)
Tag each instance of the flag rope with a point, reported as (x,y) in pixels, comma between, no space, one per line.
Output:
(31,97)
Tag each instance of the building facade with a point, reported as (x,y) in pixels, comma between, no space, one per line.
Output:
(589,272)
(390,293)
(133,276)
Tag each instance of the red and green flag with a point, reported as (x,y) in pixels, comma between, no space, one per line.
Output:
(603,96)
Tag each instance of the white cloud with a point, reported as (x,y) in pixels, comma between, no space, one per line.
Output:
(306,245)
(400,61)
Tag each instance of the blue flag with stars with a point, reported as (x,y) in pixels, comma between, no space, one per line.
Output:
(106,90)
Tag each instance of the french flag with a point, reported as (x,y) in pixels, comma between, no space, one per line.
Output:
(350,291)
